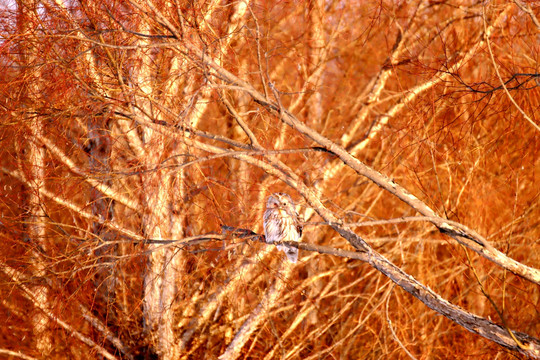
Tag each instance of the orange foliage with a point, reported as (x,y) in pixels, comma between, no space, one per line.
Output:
(134,127)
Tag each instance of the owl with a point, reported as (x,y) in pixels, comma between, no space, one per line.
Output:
(281,223)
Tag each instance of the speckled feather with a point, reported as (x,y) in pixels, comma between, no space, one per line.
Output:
(281,223)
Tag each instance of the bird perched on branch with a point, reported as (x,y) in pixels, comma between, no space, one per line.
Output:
(281,223)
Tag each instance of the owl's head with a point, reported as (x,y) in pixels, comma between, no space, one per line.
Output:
(279,200)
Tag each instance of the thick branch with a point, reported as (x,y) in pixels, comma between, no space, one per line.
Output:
(381,180)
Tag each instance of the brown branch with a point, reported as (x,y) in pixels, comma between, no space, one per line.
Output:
(74,207)
(268,301)
(101,186)
(16,277)
(486,329)
(473,323)
(492,57)
(527,9)
(527,345)
(17,354)
(362,169)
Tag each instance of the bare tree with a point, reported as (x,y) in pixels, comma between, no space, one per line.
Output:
(142,139)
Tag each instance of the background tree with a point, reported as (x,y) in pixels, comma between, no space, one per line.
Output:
(142,138)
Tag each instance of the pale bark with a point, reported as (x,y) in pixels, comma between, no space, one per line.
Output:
(36,157)
(160,278)
(243,274)
(198,133)
(316,65)
(259,314)
(459,233)
(36,299)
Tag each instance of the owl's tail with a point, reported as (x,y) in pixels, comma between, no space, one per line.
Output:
(291,252)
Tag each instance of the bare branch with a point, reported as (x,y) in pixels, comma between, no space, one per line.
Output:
(16,277)
(362,169)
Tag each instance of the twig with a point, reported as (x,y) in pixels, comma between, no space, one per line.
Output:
(28,294)
(394,335)
(488,42)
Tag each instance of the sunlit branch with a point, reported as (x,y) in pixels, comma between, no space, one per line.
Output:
(75,208)
(17,279)
(102,187)
(503,84)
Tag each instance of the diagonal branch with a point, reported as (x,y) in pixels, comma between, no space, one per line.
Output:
(256,317)
(488,42)
(471,322)
(362,169)
(129,202)
(74,207)
(434,301)
(16,277)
